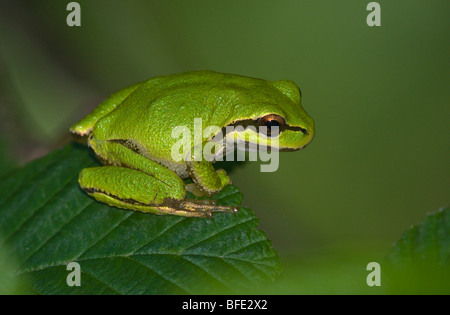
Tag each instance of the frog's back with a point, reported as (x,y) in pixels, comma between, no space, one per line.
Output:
(150,113)
(162,103)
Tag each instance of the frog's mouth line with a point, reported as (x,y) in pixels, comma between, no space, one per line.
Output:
(226,148)
(252,123)
(245,123)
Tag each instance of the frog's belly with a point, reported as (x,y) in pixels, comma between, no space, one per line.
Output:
(179,168)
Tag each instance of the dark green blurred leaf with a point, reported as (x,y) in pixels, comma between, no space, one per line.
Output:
(420,261)
(8,283)
(6,163)
(47,222)
(427,243)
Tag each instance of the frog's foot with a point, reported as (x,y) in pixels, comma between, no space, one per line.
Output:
(201,208)
(200,191)
(186,208)
(195,190)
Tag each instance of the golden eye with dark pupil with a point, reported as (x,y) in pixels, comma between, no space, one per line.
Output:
(269,122)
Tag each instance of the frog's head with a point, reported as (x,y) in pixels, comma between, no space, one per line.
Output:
(275,104)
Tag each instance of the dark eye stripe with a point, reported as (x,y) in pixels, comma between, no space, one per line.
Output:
(250,122)
(303,130)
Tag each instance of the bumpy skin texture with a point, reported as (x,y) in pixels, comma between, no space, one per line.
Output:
(132,132)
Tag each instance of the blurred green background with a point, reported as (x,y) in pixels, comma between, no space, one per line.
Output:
(379,97)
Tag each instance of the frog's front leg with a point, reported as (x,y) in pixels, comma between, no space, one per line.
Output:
(202,172)
(140,184)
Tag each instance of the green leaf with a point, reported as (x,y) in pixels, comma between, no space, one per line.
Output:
(427,243)
(47,221)
(420,261)
(8,283)
(6,162)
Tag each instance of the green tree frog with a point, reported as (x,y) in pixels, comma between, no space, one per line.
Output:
(131,134)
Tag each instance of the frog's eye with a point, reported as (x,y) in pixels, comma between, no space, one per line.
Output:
(270,122)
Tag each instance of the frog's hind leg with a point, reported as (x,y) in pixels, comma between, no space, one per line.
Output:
(134,190)
(131,189)
(134,182)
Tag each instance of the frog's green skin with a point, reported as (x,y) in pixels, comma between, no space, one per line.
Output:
(131,134)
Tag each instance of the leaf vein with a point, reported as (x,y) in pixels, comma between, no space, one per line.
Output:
(56,232)
(215,233)
(53,163)
(102,282)
(84,251)
(40,207)
(157,273)
(157,236)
